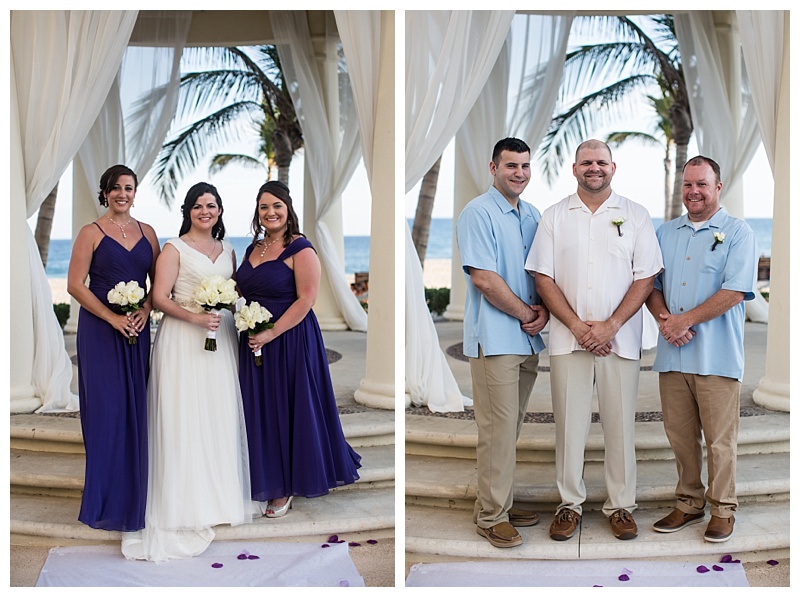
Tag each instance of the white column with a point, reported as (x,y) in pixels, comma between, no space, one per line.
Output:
(464,192)
(84,193)
(773,389)
(328,314)
(377,389)
(22,396)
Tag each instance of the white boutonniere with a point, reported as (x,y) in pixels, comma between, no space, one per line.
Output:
(719,238)
(618,223)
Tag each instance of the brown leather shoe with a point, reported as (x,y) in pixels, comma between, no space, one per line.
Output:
(676,520)
(623,525)
(719,529)
(522,518)
(501,535)
(564,524)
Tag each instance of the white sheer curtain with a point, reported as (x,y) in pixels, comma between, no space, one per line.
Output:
(449,56)
(331,145)
(64,63)
(136,116)
(761,32)
(715,129)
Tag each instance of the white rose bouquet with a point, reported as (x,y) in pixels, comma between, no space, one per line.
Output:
(253,318)
(213,294)
(127,297)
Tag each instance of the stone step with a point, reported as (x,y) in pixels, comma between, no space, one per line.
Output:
(457,438)
(49,473)
(372,427)
(54,520)
(440,534)
(452,482)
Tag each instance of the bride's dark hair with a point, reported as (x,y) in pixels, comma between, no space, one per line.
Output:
(194,193)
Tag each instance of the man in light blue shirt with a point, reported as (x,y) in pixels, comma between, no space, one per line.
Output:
(502,320)
(710,266)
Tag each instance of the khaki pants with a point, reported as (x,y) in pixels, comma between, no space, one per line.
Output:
(501,388)
(697,407)
(573,378)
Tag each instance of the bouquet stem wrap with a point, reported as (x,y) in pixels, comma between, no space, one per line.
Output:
(211,335)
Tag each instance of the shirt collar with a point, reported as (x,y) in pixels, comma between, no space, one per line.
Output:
(613,202)
(503,203)
(714,221)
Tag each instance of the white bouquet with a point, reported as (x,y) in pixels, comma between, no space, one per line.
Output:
(127,298)
(253,318)
(213,294)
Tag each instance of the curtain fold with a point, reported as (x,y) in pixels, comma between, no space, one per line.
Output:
(140,106)
(761,32)
(332,148)
(449,57)
(64,63)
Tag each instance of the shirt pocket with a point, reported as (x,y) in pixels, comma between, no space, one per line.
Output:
(621,247)
(713,262)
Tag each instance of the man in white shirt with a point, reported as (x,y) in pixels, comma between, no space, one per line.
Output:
(594,258)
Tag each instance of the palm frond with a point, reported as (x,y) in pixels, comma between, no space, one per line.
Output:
(183,153)
(619,138)
(222,160)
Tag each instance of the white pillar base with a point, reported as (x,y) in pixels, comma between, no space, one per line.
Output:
(375,394)
(454,312)
(23,400)
(772,395)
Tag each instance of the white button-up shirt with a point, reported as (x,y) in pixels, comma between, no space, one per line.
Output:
(594,264)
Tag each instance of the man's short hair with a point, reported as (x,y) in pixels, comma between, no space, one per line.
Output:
(699,160)
(509,144)
(593,144)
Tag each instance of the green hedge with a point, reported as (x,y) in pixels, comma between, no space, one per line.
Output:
(437,299)
(62,313)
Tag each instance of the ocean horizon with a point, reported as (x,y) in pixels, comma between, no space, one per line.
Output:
(356,248)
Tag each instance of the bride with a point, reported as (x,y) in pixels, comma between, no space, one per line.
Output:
(198,465)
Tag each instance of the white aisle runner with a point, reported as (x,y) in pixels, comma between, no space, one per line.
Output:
(584,573)
(234,564)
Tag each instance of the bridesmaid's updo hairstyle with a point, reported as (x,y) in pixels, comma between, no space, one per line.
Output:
(110,178)
(192,195)
(281,191)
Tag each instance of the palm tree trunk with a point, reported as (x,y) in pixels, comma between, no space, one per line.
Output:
(44,224)
(667,178)
(283,154)
(422,217)
(676,204)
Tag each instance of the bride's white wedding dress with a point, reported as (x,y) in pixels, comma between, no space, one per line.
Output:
(198,464)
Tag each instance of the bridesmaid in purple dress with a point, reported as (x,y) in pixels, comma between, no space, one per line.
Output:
(112,372)
(294,435)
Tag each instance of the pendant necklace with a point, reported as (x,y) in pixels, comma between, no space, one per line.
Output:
(266,246)
(213,246)
(121,228)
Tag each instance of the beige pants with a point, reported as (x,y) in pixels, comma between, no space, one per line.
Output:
(573,378)
(697,407)
(501,388)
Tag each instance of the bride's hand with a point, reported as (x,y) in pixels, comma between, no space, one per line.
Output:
(260,339)
(208,320)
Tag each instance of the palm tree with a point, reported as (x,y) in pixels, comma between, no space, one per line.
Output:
(660,137)
(635,63)
(250,86)
(421,229)
(44,224)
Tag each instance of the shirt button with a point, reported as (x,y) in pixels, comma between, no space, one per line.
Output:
(688,258)
(591,238)
(694,233)
(683,283)
(681,308)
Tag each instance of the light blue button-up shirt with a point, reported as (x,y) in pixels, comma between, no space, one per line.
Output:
(493,236)
(692,274)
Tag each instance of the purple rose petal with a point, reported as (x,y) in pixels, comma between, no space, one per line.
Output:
(736,561)
(702,569)
(333,539)
(216,565)
(597,585)
(372,541)
(241,556)
(772,562)
(251,557)
(325,545)
(344,583)
(354,544)
(718,568)
(624,577)
(726,559)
